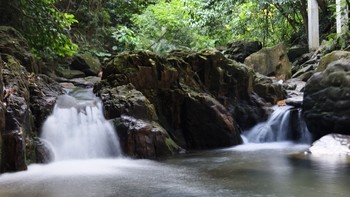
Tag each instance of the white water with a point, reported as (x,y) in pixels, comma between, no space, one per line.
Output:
(74,133)
(279,128)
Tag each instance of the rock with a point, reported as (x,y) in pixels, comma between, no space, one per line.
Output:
(126,100)
(25,94)
(327,100)
(2,106)
(86,63)
(86,82)
(304,70)
(144,139)
(43,153)
(207,123)
(268,89)
(296,101)
(170,84)
(144,70)
(271,62)
(239,50)
(43,93)
(230,82)
(294,87)
(13,136)
(331,144)
(17,116)
(136,121)
(1,83)
(13,152)
(331,57)
(295,53)
(70,74)
(303,61)
(14,44)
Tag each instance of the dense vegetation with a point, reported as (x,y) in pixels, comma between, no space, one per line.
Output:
(110,26)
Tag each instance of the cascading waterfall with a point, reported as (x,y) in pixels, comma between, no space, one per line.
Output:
(284,124)
(78,130)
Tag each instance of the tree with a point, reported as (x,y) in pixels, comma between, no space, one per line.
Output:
(44,26)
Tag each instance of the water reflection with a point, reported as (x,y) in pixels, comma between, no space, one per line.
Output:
(248,170)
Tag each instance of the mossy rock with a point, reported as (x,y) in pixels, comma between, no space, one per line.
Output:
(331,57)
(86,63)
(14,44)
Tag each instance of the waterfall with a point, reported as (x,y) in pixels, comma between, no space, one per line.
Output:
(77,129)
(284,124)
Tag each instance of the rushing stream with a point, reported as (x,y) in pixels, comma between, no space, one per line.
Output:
(252,169)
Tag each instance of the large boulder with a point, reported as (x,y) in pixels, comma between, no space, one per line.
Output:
(326,104)
(239,50)
(271,62)
(174,83)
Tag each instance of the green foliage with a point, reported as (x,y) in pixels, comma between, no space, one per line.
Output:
(197,24)
(47,28)
(125,39)
(168,25)
(99,21)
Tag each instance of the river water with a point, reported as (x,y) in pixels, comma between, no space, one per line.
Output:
(81,140)
(248,170)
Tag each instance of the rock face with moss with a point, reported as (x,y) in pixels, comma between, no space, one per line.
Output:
(187,94)
(17,113)
(327,100)
(26,100)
